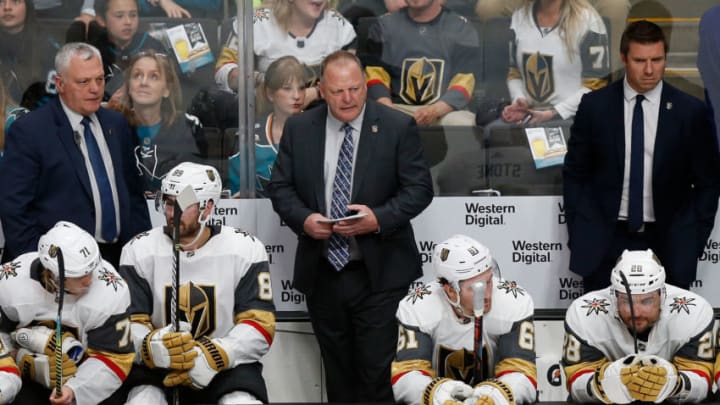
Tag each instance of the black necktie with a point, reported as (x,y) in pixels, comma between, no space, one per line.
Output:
(108,229)
(637,153)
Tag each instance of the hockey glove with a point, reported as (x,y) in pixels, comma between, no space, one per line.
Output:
(491,392)
(445,391)
(655,381)
(41,339)
(163,348)
(609,382)
(38,368)
(211,359)
(9,387)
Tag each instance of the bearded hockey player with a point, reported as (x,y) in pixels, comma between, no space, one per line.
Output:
(669,359)
(97,352)
(434,364)
(225,301)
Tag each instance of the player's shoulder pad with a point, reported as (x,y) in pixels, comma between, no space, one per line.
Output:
(15,278)
(590,314)
(689,312)
(423,306)
(243,244)
(108,295)
(510,300)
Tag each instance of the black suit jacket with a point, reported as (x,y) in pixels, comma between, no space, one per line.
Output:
(685,183)
(44,178)
(390,176)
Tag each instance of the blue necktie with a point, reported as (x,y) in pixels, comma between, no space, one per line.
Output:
(339,246)
(108,228)
(637,153)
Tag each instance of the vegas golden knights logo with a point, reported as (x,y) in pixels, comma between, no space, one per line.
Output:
(197,307)
(420,80)
(459,364)
(539,81)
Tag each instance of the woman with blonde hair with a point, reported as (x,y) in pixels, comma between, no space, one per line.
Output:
(284,91)
(558,52)
(306,29)
(152,102)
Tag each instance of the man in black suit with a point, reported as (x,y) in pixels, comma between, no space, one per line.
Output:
(352,156)
(641,170)
(72,160)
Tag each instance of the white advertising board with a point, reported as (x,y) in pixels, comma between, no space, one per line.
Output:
(526,235)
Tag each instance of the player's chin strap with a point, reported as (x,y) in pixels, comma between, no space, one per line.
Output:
(203,225)
(457,307)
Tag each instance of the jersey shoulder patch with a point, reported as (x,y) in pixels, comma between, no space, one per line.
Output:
(422,306)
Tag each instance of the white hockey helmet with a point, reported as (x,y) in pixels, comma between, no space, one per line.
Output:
(204,180)
(642,270)
(81,254)
(460,258)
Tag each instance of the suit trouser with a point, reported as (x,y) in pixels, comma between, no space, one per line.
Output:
(622,239)
(356,329)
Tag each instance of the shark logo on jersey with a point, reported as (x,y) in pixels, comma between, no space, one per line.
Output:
(420,80)
(682,303)
(197,307)
(418,293)
(511,287)
(9,270)
(110,278)
(539,81)
(596,306)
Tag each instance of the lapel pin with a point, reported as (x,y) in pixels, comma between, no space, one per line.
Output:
(374,129)
(668,106)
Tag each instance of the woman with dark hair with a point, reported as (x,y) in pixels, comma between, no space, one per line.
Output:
(284,90)
(152,102)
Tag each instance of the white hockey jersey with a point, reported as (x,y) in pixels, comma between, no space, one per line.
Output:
(99,319)
(434,342)
(224,284)
(594,334)
(543,72)
(332,32)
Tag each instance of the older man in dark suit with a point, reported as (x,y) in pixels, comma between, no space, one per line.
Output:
(641,170)
(352,157)
(72,160)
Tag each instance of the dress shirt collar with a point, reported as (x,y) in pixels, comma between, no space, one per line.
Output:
(356,124)
(75,118)
(652,96)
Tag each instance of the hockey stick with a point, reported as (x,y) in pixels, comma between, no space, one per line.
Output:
(182,201)
(478,309)
(58,325)
(632,309)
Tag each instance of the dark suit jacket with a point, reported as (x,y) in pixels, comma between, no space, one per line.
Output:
(44,179)
(685,179)
(390,176)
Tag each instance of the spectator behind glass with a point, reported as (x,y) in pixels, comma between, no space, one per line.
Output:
(306,29)
(559,51)
(284,89)
(423,60)
(181,8)
(152,104)
(116,35)
(615,10)
(9,112)
(65,9)
(17,47)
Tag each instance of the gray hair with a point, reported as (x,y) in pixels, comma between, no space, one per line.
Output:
(72,49)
